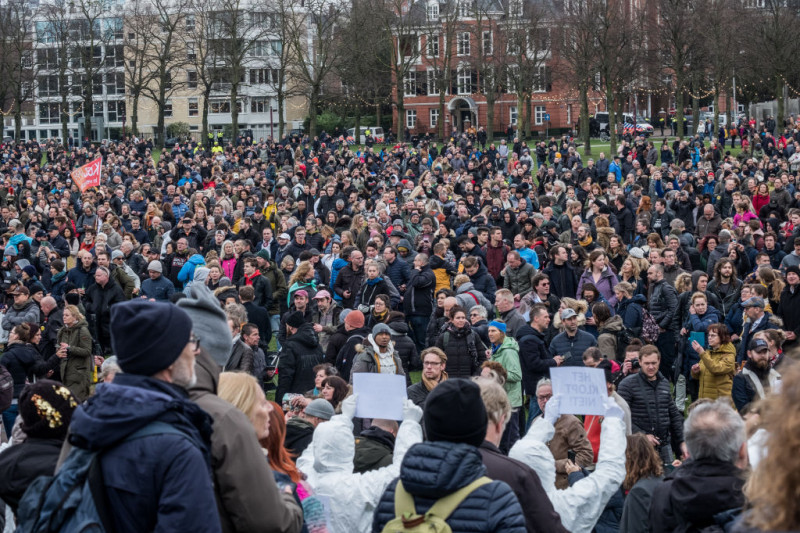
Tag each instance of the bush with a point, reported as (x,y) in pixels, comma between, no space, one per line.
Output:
(180,130)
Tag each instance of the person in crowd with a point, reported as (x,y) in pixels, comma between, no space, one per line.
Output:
(377,354)
(45,408)
(75,350)
(643,473)
(300,353)
(539,513)
(434,365)
(301,425)
(662,301)
(506,308)
(418,299)
(328,465)
(157,351)
(716,443)
(462,346)
(758,319)
(660,421)
(300,302)
(23,311)
(572,342)
(156,286)
(455,422)
(717,364)
(534,356)
(375,446)
(504,349)
(757,377)
(236,503)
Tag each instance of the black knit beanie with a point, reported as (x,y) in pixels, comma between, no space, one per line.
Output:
(46,409)
(454,412)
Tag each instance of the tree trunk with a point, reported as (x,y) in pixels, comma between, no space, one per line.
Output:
(679,103)
(312,111)
(779,97)
(401,114)
(378,115)
(234,110)
(88,111)
(281,124)
(526,132)
(583,89)
(162,135)
(204,120)
(489,118)
(610,109)
(440,124)
(17,121)
(135,115)
(716,110)
(357,127)
(64,120)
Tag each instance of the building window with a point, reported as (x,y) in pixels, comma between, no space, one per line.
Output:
(115,83)
(569,113)
(515,8)
(463,43)
(512,115)
(116,110)
(266,48)
(539,112)
(220,107)
(49,113)
(189,23)
(487,43)
(191,79)
(433,88)
(433,46)
(434,117)
(464,9)
(410,84)
(465,81)
(259,105)
(540,82)
(433,10)
(191,51)
(194,108)
(167,109)
(48,85)
(512,77)
(409,45)
(411,118)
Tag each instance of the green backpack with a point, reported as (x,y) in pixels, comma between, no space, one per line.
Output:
(408,521)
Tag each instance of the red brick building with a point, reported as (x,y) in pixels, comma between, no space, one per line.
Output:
(473,39)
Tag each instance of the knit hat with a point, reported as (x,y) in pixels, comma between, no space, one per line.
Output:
(380,328)
(116,254)
(499,325)
(147,337)
(30,270)
(793,268)
(155,266)
(295,319)
(263,254)
(46,409)
(454,412)
(208,321)
(355,319)
(320,408)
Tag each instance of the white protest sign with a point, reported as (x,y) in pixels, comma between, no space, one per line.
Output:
(582,389)
(379,395)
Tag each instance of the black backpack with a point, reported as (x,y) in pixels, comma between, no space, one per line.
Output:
(623,339)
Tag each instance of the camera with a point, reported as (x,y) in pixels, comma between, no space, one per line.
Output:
(635,364)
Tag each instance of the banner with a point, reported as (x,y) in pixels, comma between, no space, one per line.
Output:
(88,175)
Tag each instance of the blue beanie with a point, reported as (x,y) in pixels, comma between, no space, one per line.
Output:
(148,337)
(498,324)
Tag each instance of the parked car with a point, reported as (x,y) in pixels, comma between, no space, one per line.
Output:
(376,132)
(642,126)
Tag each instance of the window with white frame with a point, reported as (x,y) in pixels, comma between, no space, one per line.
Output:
(411,118)
(191,79)
(464,9)
(540,80)
(488,46)
(434,115)
(433,45)
(513,76)
(191,51)
(49,113)
(410,84)
(433,10)
(515,8)
(194,107)
(462,47)
(167,109)
(259,105)
(513,116)
(464,81)
(538,116)
(569,113)
(116,110)
(433,82)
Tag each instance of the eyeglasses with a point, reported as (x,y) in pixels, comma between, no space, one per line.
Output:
(544,398)
(432,363)
(196,341)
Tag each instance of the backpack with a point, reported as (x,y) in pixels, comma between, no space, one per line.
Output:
(6,388)
(623,340)
(74,500)
(407,520)
(650,329)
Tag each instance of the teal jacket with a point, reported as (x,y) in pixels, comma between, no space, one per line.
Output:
(507,354)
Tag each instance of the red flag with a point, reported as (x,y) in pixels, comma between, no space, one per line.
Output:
(88,175)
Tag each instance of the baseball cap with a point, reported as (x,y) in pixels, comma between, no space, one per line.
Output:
(758,345)
(322,294)
(284,236)
(755,301)
(568,313)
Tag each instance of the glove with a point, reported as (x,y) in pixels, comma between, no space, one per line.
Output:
(552,411)
(411,411)
(349,406)
(612,409)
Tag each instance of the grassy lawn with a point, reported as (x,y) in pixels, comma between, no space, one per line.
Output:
(599,146)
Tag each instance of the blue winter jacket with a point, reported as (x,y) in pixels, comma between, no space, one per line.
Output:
(153,483)
(431,470)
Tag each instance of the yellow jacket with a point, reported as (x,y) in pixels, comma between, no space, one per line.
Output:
(717,368)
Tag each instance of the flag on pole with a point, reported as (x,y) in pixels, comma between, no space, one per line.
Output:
(88,175)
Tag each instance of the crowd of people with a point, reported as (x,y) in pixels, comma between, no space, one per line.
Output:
(148,324)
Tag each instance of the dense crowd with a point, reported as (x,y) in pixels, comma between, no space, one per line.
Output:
(148,323)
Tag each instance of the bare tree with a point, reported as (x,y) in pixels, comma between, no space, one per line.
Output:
(723,21)
(578,52)
(312,39)
(17,24)
(202,53)
(55,32)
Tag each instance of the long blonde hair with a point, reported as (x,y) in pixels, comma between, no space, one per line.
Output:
(300,272)
(241,390)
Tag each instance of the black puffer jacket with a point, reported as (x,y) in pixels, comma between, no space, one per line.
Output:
(405,347)
(455,344)
(418,300)
(24,362)
(432,470)
(534,358)
(645,397)
(20,465)
(663,303)
(300,353)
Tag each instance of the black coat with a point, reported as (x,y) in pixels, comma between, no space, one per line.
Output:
(347,280)
(99,301)
(405,347)
(534,358)
(432,470)
(645,397)
(418,393)
(262,288)
(563,281)
(299,433)
(523,480)
(20,465)
(260,317)
(300,353)
(691,496)
(418,300)
(454,343)
(24,362)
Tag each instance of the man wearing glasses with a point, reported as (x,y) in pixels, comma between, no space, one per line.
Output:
(434,362)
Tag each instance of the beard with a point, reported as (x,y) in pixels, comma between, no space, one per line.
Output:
(183,377)
(761,364)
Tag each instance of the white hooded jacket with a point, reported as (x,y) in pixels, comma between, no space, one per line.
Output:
(328,463)
(581,504)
